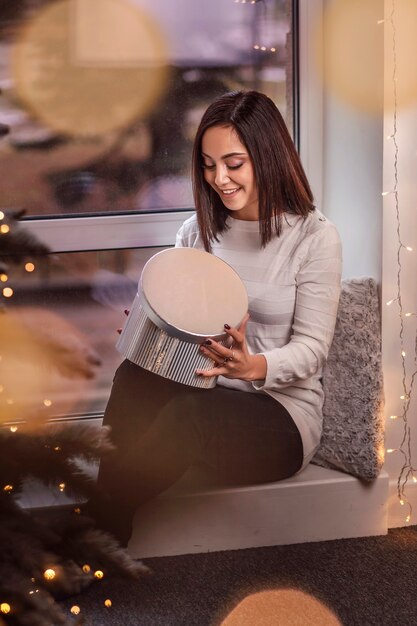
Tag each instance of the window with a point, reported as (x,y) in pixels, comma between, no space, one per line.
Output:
(104,201)
(102,123)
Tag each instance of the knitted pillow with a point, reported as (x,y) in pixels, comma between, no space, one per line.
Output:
(353,424)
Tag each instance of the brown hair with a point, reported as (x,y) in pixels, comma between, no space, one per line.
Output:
(280,179)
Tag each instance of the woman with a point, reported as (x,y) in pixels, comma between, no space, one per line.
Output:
(254,209)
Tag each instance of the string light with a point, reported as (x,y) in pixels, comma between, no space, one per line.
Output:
(29,267)
(8,488)
(13,429)
(75,610)
(107,603)
(49,574)
(99,574)
(61,486)
(4,229)
(8,292)
(86,568)
(2,216)
(4,278)
(407,471)
(47,402)
(5,608)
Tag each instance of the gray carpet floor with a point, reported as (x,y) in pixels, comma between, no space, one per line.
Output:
(365,582)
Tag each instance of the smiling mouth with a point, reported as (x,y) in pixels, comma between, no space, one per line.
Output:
(229,192)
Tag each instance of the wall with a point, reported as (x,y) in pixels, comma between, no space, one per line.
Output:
(353,132)
(395,232)
(351,82)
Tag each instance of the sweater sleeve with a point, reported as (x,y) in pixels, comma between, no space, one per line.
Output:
(317,296)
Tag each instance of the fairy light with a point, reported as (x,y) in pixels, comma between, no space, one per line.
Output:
(49,574)
(75,610)
(86,568)
(8,488)
(13,429)
(406,472)
(47,402)
(2,216)
(4,229)
(5,608)
(61,486)
(99,574)
(4,278)
(30,267)
(107,603)
(8,292)
(394,417)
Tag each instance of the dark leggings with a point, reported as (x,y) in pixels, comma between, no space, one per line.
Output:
(160,428)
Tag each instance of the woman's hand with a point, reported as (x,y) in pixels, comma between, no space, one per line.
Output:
(126,311)
(235,361)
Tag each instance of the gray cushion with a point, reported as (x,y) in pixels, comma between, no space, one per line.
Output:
(353,425)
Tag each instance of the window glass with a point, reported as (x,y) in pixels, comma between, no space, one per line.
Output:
(59,330)
(103,98)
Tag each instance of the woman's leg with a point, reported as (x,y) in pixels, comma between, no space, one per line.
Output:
(160,428)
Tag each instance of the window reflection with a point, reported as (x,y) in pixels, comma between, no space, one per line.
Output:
(142,165)
(64,316)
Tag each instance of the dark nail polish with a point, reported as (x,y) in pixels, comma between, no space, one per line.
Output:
(207,342)
(127,311)
(227,327)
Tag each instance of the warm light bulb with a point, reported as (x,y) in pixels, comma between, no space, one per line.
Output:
(402,352)
(393,417)
(107,603)
(408,518)
(402,502)
(61,486)
(86,568)
(4,278)
(13,429)
(75,610)
(49,574)
(29,267)
(8,292)
(98,574)
(47,402)
(4,228)
(8,488)
(1,215)
(5,608)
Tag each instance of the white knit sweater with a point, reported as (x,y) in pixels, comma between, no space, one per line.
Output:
(293,286)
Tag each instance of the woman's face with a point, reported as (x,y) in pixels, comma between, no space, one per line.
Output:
(228,169)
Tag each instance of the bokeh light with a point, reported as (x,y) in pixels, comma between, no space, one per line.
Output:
(351,60)
(286,607)
(86,68)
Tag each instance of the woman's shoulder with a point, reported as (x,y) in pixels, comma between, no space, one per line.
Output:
(318,224)
(189,233)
